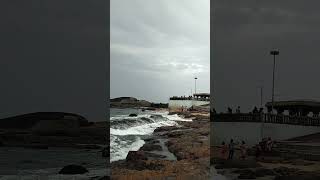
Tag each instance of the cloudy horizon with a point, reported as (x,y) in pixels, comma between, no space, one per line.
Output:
(158,47)
(245,32)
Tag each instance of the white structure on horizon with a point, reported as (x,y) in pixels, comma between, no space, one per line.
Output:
(183,103)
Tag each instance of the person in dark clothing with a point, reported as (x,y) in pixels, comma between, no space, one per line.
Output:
(231,149)
(255,110)
(229,110)
(238,110)
(260,110)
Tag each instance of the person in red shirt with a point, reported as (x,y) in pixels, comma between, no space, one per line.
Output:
(224,150)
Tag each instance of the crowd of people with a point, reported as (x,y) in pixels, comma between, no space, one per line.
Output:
(254,111)
(228,150)
(264,146)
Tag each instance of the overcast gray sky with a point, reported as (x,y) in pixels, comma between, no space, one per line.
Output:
(158,47)
(53,57)
(244,33)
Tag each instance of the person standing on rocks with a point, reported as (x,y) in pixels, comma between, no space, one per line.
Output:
(269,144)
(231,149)
(243,149)
(224,150)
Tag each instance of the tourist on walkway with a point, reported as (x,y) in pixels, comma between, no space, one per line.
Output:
(243,149)
(229,110)
(224,151)
(238,110)
(231,149)
(260,110)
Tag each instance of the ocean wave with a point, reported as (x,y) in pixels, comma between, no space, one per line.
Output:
(145,129)
(120,146)
(126,131)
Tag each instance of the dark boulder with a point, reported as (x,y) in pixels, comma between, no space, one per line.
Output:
(134,156)
(73,169)
(151,147)
(133,115)
(154,156)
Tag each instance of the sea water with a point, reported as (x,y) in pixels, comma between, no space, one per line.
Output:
(22,163)
(127,133)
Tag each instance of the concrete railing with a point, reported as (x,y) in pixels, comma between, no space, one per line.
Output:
(267,118)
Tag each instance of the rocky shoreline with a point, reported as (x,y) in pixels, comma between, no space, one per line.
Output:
(91,137)
(272,166)
(172,152)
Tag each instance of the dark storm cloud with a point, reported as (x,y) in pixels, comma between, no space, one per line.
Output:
(244,33)
(157,47)
(53,57)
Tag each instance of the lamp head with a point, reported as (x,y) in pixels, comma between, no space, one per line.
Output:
(274,52)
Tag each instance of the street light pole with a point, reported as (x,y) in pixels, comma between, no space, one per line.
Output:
(261,96)
(261,113)
(195,85)
(274,53)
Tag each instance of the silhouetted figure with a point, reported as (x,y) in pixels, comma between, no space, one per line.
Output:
(261,110)
(231,149)
(238,110)
(243,149)
(269,144)
(224,150)
(229,110)
(255,110)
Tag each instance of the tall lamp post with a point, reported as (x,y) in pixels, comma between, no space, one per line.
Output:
(274,53)
(195,85)
(261,114)
(261,96)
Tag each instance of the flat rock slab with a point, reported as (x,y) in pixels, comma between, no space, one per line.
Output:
(239,164)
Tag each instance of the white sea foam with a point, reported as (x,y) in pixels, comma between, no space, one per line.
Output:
(145,129)
(175,117)
(126,131)
(121,148)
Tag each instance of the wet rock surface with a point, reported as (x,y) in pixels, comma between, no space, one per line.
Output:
(188,145)
(240,164)
(151,147)
(270,166)
(133,115)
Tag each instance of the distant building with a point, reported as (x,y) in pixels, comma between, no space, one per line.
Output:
(295,107)
(183,103)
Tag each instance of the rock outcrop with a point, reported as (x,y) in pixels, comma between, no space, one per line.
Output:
(128,102)
(62,127)
(27,121)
